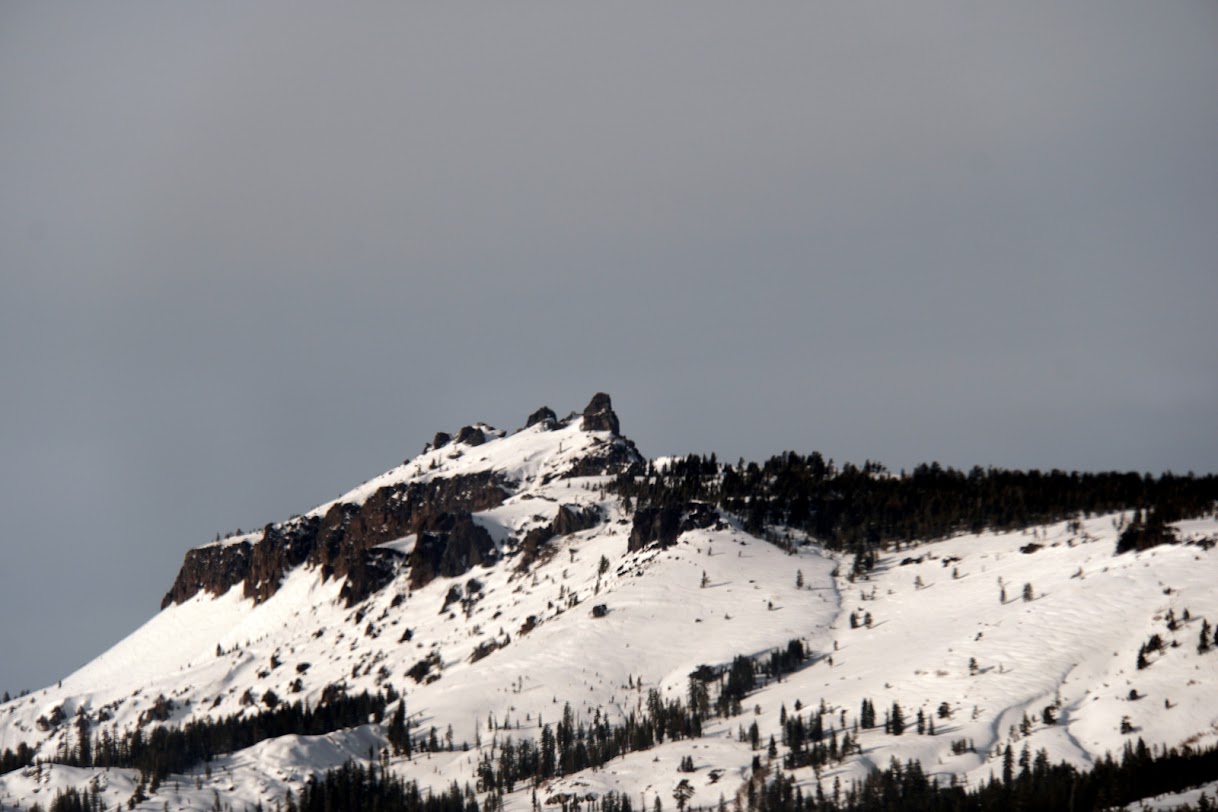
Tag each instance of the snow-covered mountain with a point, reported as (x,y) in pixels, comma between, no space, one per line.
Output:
(496,583)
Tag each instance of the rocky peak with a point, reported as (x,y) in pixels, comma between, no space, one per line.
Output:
(341,539)
(545,415)
(599,415)
(471,435)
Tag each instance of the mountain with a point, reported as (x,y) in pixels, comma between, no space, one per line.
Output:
(546,617)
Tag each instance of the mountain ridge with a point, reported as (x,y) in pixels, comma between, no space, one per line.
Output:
(340,537)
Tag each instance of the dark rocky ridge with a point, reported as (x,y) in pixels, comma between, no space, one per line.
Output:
(343,543)
(339,543)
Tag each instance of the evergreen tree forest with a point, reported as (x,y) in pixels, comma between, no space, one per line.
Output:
(165,749)
(1140,773)
(854,508)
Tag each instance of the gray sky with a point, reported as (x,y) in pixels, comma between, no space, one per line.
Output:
(251,255)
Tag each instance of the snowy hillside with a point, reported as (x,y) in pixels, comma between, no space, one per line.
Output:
(993,640)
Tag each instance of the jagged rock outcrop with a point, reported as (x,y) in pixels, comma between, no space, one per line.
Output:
(392,513)
(530,545)
(215,569)
(569,519)
(663,525)
(599,415)
(343,543)
(573,519)
(471,435)
(545,415)
(369,572)
(282,548)
(449,545)
(340,543)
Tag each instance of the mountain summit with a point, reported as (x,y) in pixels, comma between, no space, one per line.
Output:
(433,497)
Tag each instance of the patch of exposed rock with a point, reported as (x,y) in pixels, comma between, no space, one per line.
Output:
(471,436)
(662,525)
(569,519)
(450,544)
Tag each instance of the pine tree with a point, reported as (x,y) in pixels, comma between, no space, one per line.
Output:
(867,715)
(897,719)
(397,729)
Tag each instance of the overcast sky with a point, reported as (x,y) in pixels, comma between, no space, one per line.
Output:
(251,254)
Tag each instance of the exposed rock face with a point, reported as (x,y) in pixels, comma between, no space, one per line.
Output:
(599,415)
(653,524)
(215,569)
(440,440)
(571,519)
(665,524)
(471,435)
(282,548)
(531,545)
(370,572)
(340,543)
(450,545)
(544,415)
